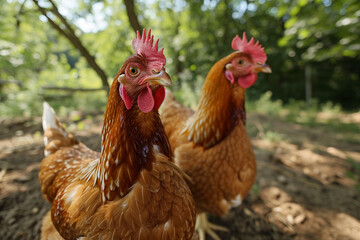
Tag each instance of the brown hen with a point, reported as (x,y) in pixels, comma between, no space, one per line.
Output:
(132,189)
(212,145)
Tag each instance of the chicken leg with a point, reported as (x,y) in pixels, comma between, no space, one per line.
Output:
(203,226)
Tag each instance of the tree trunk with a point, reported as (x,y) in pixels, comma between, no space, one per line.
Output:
(69,33)
(133,19)
(308,85)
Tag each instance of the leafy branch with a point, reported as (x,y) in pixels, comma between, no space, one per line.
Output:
(130,9)
(67,31)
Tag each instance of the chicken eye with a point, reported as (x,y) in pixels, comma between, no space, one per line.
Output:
(240,62)
(133,71)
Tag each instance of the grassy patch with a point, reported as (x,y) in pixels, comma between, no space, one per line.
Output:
(327,115)
(354,172)
(28,103)
(273,136)
(265,132)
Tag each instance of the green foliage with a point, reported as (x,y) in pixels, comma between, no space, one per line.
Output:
(272,136)
(195,34)
(321,34)
(255,189)
(331,108)
(93,102)
(326,115)
(21,103)
(265,105)
(187,96)
(354,172)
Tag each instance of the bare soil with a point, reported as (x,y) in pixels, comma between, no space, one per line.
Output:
(305,187)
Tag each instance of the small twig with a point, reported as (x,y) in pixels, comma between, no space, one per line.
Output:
(17,16)
(133,19)
(67,31)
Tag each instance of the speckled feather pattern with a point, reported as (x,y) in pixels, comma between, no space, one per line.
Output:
(157,207)
(114,194)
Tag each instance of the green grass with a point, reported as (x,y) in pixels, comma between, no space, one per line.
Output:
(28,103)
(313,116)
(354,172)
(265,105)
(273,136)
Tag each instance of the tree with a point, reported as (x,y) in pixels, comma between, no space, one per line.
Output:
(297,35)
(67,31)
(133,19)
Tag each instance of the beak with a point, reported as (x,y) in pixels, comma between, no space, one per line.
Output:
(263,68)
(161,78)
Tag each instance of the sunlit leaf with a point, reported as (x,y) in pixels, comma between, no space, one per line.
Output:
(302,3)
(295,10)
(303,33)
(349,53)
(282,10)
(290,22)
(284,41)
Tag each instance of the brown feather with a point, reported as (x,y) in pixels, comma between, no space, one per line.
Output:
(212,145)
(120,192)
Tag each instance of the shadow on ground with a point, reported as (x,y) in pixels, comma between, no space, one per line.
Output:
(303,189)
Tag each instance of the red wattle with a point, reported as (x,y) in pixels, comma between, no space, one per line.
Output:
(159,97)
(125,97)
(146,100)
(247,81)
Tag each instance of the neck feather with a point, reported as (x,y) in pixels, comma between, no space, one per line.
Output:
(220,108)
(130,141)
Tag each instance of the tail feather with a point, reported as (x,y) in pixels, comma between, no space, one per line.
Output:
(49,120)
(55,135)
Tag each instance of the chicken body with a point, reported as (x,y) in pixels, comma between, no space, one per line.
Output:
(154,208)
(221,174)
(211,144)
(132,189)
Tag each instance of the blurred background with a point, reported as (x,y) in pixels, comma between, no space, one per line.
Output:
(52,49)
(303,119)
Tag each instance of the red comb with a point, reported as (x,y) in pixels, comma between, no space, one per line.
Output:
(144,46)
(256,51)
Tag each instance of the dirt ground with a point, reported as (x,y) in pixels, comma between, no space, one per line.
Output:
(305,188)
